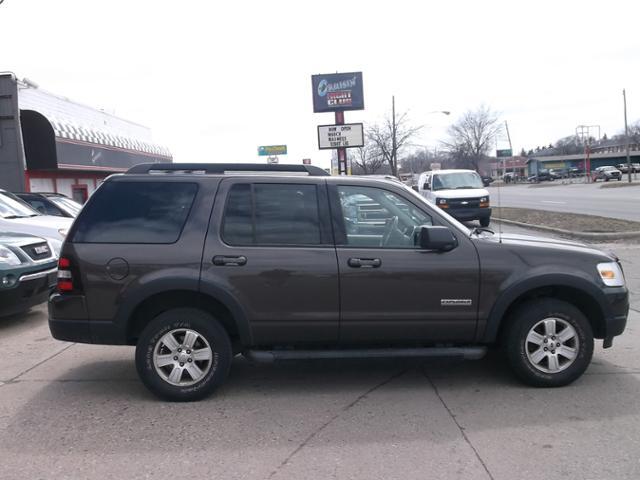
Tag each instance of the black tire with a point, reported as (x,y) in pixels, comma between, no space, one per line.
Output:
(175,320)
(484,222)
(519,326)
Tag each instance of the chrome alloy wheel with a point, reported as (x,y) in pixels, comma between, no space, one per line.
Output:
(182,357)
(552,345)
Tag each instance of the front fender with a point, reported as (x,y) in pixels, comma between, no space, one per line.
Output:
(576,280)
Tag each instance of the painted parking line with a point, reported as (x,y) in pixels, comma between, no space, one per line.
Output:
(551,201)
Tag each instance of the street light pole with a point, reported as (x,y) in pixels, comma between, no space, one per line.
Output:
(626,134)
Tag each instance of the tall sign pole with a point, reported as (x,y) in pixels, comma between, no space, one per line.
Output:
(626,134)
(342,151)
(338,92)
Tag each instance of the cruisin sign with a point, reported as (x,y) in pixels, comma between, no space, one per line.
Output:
(337,92)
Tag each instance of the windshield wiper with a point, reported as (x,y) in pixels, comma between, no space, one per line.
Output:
(466,186)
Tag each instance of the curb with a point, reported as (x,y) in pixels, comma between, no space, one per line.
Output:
(582,235)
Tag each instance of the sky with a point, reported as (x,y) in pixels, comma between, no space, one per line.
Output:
(214,80)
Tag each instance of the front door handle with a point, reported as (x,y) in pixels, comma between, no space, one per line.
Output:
(364,262)
(231,261)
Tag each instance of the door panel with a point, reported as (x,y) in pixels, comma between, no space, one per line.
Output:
(289,292)
(391,291)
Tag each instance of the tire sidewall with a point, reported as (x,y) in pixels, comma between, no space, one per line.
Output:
(525,319)
(205,325)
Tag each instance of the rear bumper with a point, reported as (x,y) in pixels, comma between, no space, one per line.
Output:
(69,321)
(474,213)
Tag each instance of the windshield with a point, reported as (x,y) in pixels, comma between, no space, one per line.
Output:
(456,180)
(436,211)
(13,207)
(67,204)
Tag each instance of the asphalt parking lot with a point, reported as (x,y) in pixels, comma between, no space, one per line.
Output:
(79,411)
(588,199)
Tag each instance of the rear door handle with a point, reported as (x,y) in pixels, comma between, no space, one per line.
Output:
(364,262)
(231,261)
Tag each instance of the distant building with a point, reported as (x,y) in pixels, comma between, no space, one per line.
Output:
(516,165)
(49,143)
(599,157)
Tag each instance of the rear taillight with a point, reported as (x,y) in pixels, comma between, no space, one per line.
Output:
(65,277)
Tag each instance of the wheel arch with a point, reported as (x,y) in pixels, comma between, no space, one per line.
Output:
(581,293)
(228,313)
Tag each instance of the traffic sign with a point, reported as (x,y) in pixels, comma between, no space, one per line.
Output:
(340,136)
(504,153)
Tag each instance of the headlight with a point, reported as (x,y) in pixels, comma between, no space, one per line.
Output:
(7,257)
(611,274)
(441,201)
(63,232)
(484,202)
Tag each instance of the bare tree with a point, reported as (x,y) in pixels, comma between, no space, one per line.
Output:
(367,159)
(472,136)
(391,136)
(420,161)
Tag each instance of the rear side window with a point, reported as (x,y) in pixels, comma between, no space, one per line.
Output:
(272,214)
(135,212)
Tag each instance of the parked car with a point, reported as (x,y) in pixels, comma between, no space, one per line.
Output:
(54,204)
(460,192)
(193,269)
(558,173)
(17,216)
(606,173)
(27,272)
(623,167)
(541,176)
(486,180)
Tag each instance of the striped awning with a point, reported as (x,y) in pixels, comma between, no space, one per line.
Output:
(66,130)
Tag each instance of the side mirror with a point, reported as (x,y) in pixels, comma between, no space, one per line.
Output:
(415,187)
(426,187)
(437,238)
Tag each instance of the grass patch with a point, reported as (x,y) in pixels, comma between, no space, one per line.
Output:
(574,222)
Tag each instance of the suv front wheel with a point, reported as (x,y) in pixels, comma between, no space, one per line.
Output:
(184,354)
(549,343)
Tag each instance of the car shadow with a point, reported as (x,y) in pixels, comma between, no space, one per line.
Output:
(22,320)
(102,405)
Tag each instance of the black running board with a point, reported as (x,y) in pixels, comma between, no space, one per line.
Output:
(268,356)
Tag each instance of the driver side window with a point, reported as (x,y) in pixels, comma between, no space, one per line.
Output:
(378,218)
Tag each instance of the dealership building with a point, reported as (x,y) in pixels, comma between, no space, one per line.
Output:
(599,157)
(49,143)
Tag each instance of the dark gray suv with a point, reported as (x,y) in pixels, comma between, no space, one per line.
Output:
(195,263)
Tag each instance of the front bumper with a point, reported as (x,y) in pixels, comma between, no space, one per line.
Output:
(30,290)
(472,213)
(616,311)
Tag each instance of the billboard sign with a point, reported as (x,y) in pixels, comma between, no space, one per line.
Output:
(340,136)
(337,92)
(271,150)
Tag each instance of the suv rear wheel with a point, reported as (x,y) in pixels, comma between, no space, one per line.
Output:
(549,343)
(184,354)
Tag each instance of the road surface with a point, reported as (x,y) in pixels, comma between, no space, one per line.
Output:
(588,199)
(79,411)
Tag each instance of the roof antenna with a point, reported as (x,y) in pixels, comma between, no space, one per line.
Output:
(499,197)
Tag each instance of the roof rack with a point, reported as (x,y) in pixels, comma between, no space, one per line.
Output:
(206,168)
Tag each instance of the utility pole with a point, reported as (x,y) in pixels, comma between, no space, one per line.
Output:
(506,126)
(626,134)
(394,165)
